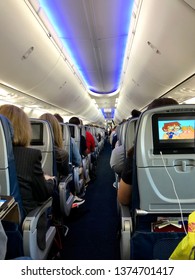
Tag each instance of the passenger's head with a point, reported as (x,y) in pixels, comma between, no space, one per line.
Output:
(59,118)
(135,113)
(20,123)
(57,131)
(160,102)
(74,120)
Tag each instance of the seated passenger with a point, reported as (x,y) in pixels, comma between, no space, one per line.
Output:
(112,133)
(62,157)
(35,187)
(83,145)
(90,142)
(76,157)
(125,185)
(117,158)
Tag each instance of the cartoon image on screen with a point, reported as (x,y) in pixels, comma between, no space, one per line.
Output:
(183,129)
(173,133)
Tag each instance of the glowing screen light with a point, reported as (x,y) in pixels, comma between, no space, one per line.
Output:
(70,27)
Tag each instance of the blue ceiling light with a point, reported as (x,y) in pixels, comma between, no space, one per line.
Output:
(108,113)
(104,113)
(94,38)
(62,27)
(113,112)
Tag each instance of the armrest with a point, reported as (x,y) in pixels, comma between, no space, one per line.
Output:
(66,198)
(32,218)
(78,180)
(85,163)
(126,219)
(37,235)
(126,229)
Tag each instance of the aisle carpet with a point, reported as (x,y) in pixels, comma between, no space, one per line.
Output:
(93,227)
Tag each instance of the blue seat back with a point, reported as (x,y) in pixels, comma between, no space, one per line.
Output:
(8,177)
(67,140)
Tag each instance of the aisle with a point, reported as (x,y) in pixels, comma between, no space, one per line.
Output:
(93,227)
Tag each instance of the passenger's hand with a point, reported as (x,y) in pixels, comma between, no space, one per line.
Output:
(48,177)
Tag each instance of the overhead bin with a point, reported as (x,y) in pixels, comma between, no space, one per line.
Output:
(161,55)
(31,63)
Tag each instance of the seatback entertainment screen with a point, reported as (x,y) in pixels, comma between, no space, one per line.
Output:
(173,133)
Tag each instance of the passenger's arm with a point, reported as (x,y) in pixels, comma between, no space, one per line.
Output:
(125,184)
(124,193)
(117,159)
(62,160)
(76,157)
(42,188)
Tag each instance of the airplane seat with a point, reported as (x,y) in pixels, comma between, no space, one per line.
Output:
(9,187)
(97,138)
(38,236)
(122,134)
(98,135)
(66,139)
(73,178)
(163,183)
(18,243)
(102,140)
(85,159)
(42,139)
(127,140)
(119,130)
(76,134)
(130,134)
(8,182)
(76,170)
(101,132)
(92,156)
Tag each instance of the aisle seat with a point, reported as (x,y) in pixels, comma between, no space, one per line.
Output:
(163,183)
(42,139)
(76,134)
(127,139)
(25,242)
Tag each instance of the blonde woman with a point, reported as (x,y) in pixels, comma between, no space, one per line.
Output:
(34,187)
(62,157)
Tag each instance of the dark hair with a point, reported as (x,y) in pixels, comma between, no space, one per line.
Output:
(74,120)
(135,113)
(164,101)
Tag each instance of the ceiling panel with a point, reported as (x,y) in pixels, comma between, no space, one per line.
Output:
(95,33)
